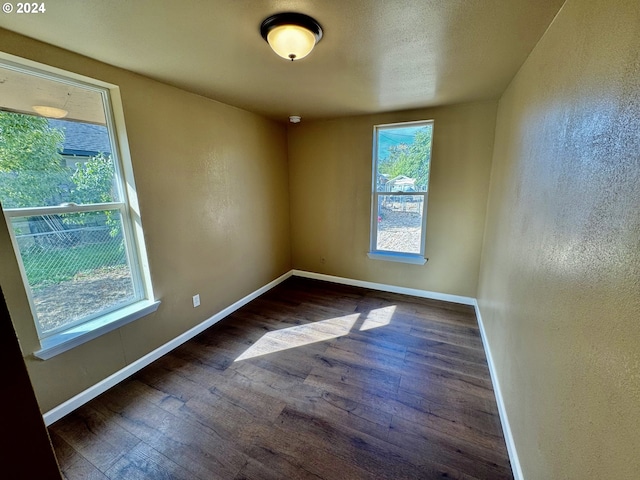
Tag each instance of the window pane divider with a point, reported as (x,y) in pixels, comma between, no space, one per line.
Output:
(59,209)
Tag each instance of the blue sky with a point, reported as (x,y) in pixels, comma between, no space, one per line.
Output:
(389,137)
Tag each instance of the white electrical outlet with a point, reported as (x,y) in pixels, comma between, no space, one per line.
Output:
(196,300)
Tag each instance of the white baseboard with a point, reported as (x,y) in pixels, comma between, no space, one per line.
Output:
(387,288)
(80,399)
(502,411)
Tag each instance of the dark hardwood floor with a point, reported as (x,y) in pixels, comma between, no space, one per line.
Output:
(312,380)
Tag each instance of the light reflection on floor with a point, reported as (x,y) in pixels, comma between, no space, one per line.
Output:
(314,332)
(378,317)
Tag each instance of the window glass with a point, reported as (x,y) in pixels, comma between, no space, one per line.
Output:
(76,265)
(61,188)
(402,161)
(403,157)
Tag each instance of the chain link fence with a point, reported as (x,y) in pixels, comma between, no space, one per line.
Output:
(76,266)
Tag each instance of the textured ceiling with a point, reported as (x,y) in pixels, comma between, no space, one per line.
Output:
(376,55)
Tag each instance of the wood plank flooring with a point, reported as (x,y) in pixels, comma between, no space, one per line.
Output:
(312,380)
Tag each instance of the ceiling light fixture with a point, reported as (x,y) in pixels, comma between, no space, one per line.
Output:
(291,35)
(50,112)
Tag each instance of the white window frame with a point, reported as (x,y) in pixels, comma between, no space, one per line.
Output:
(389,255)
(68,336)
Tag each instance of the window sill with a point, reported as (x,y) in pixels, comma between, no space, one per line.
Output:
(398,257)
(64,341)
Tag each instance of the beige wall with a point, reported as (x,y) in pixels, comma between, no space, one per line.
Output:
(559,286)
(330,175)
(213,188)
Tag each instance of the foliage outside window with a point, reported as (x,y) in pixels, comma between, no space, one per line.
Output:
(67,210)
(401,166)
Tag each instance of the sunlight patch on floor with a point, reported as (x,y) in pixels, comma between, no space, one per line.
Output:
(378,317)
(300,335)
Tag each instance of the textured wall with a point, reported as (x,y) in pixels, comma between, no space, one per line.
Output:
(213,189)
(330,184)
(560,279)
